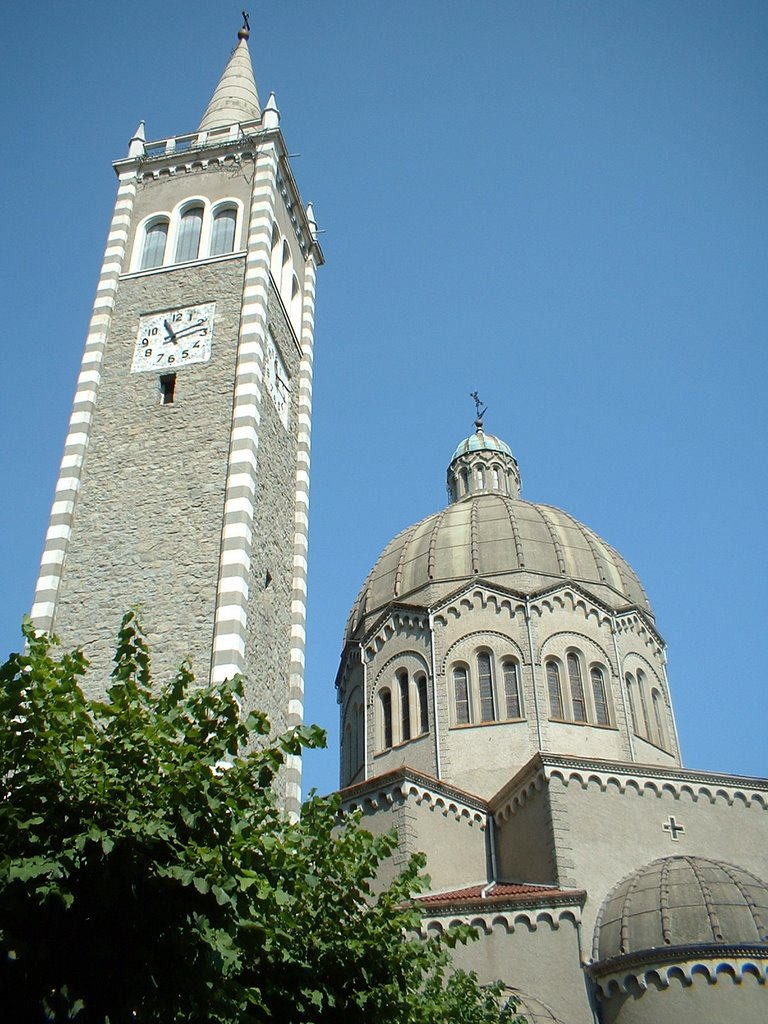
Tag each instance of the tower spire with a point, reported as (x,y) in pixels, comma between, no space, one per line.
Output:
(235,98)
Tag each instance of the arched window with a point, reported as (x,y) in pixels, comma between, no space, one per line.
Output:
(644,703)
(223,232)
(485,685)
(657,712)
(385,705)
(355,754)
(421,687)
(188,240)
(296,304)
(461,695)
(511,688)
(555,690)
(348,749)
(577,689)
(405,706)
(598,693)
(629,680)
(274,260)
(496,478)
(465,481)
(480,478)
(153,250)
(286,267)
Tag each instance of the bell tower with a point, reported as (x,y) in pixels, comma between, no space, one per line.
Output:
(183,487)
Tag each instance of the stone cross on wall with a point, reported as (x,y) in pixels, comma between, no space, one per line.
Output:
(673,828)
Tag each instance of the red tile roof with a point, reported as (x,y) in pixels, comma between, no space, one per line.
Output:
(501,892)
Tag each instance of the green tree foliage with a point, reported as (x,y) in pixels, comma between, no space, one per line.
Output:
(148,874)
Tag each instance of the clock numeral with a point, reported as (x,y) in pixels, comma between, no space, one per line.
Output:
(145,341)
(171,359)
(152,332)
(184,354)
(176,318)
(147,352)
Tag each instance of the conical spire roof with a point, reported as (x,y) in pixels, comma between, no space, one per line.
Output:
(235,98)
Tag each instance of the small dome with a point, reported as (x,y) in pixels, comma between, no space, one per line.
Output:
(480,441)
(682,901)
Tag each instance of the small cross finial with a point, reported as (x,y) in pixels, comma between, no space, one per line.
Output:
(245,31)
(479,412)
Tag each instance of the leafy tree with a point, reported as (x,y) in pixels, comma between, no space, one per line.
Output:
(148,874)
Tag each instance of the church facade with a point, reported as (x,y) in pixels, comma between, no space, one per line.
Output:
(505,708)
(502,689)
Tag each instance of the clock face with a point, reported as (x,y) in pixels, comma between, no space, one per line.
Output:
(277,380)
(174,338)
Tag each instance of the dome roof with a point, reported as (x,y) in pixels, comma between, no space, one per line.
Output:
(514,543)
(682,901)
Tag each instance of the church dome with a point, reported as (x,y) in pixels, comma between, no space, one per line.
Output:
(683,901)
(480,441)
(489,532)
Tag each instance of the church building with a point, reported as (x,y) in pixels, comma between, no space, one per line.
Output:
(503,692)
(505,707)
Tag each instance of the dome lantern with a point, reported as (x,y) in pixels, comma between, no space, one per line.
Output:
(482,464)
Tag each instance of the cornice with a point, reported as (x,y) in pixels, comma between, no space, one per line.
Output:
(530,913)
(665,964)
(405,782)
(544,767)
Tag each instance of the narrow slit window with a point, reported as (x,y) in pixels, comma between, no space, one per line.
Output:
(555,692)
(485,682)
(656,698)
(167,388)
(631,694)
(644,703)
(421,685)
(461,695)
(405,706)
(577,689)
(511,689)
(598,692)
(385,703)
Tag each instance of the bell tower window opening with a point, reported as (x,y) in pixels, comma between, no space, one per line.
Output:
(153,249)
(555,690)
(461,695)
(485,684)
(167,388)
(405,706)
(223,233)
(578,705)
(598,693)
(190,229)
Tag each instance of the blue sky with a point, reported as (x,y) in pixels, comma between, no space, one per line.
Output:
(562,205)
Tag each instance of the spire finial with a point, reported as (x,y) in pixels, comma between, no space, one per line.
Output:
(480,412)
(245,31)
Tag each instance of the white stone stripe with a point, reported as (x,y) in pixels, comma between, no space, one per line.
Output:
(230,625)
(70,472)
(301,523)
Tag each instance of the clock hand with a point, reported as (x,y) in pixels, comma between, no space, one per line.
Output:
(171,334)
(192,327)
